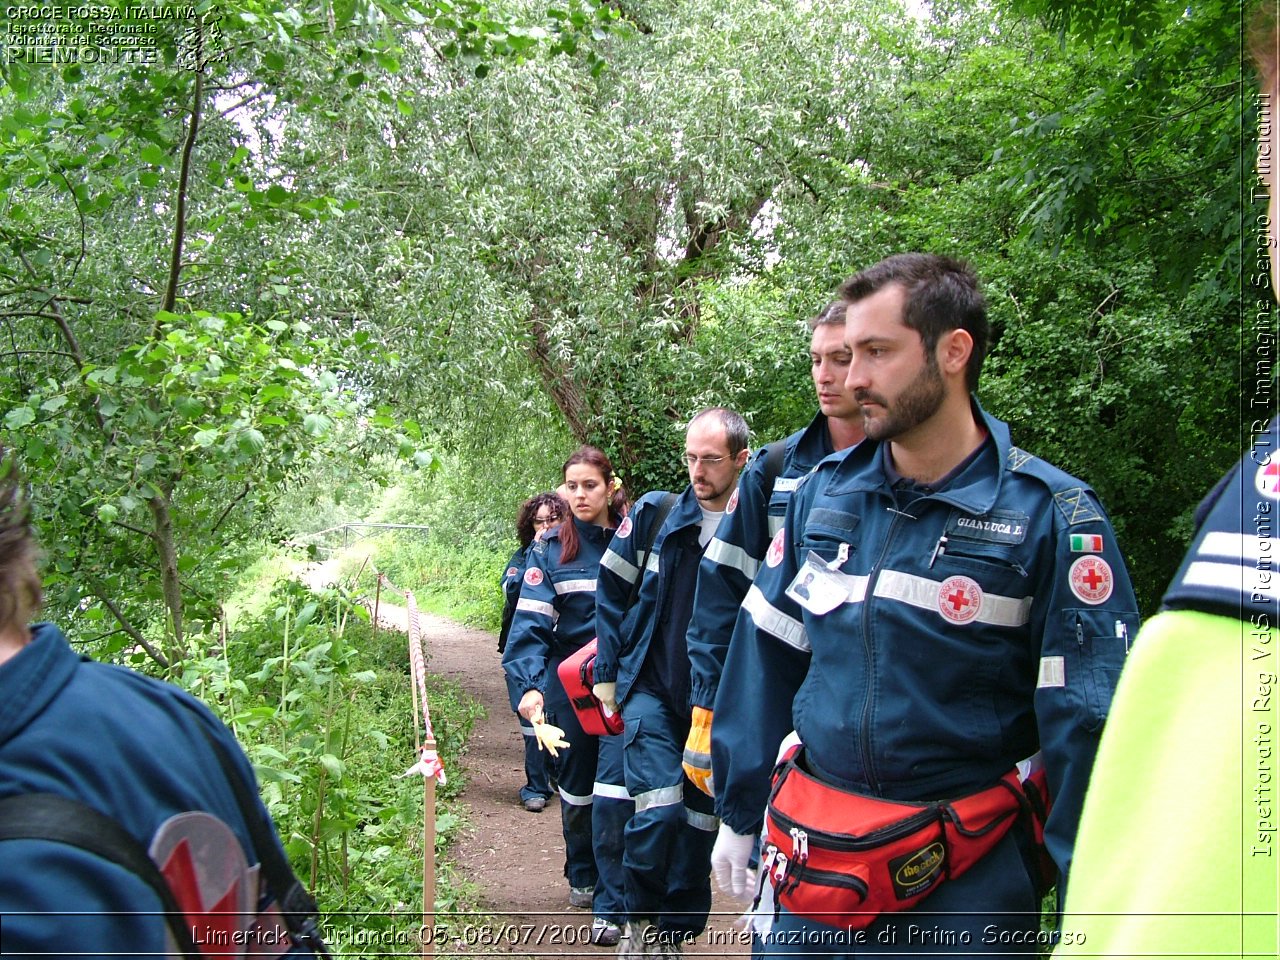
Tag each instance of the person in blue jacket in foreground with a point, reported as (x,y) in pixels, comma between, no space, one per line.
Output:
(137,750)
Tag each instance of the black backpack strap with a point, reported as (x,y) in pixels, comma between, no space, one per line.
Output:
(297,906)
(774,455)
(659,518)
(46,816)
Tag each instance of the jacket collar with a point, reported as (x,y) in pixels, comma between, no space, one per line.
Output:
(33,678)
(974,491)
(686,511)
(813,444)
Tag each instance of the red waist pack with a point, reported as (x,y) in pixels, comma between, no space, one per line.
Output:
(577,674)
(843,858)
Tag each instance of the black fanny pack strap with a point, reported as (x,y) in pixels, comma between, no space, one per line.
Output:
(297,906)
(46,816)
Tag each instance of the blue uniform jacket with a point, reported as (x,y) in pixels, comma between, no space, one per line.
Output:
(511,577)
(128,745)
(1229,568)
(946,637)
(735,553)
(624,636)
(556,612)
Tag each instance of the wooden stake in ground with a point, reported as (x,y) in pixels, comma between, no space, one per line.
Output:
(431,769)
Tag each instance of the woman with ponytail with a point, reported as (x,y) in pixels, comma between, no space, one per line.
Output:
(554,617)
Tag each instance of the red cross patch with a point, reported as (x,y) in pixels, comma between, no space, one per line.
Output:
(959,599)
(732,505)
(533,576)
(774,556)
(1267,479)
(512,571)
(1092,580)
(624,528)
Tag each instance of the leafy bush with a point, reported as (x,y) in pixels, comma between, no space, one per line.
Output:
(323,707)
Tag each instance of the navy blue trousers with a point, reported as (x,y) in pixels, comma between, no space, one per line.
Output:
(536,780)
(611,809)
(669,840)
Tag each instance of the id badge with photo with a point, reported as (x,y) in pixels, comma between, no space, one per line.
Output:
(819,588)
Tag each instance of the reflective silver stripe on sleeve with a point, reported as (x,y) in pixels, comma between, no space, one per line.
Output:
(699,761)
(1239,547)
(775,524)
(922,592)
(575,586)
(731,555)
(1232,576)
(610,791)
(662,797)
(773,621)
(574,801)
(652,563)
(1053,673)
(627,571)
(526,729)
(536,606)
(707,822)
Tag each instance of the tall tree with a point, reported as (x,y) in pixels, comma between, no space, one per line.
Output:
(163,381)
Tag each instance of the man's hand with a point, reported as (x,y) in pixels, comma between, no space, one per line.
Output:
(697,752)
(530,705)
(729,861)
(607,693)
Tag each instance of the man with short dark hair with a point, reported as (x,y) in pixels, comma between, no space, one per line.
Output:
(752,517)
(642,668)
(939,609)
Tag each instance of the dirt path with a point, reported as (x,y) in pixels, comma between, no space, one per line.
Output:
(514,857)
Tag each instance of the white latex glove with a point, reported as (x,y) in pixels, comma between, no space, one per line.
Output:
(607,694)
(729,859)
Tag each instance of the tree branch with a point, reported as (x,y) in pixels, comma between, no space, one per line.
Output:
(184,176)
(128,627)
(230,506)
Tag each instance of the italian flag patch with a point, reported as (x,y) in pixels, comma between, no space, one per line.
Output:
(1086,543)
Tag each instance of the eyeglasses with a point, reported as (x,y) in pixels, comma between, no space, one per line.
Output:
(692,460)
(547,520)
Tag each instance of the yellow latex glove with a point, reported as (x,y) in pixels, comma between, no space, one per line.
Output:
(697,752)
(549,737)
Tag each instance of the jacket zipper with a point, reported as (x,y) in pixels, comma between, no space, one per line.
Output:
(864,738)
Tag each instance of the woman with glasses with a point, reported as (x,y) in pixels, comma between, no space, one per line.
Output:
(554,617)
(538,514)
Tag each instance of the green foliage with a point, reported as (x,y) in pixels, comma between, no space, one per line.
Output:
(1117,152)
(323,707)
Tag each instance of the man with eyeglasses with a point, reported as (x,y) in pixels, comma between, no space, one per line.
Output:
(643,666)
(753,515)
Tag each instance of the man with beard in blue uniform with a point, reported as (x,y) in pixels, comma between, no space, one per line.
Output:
(643,664)
(941,616)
